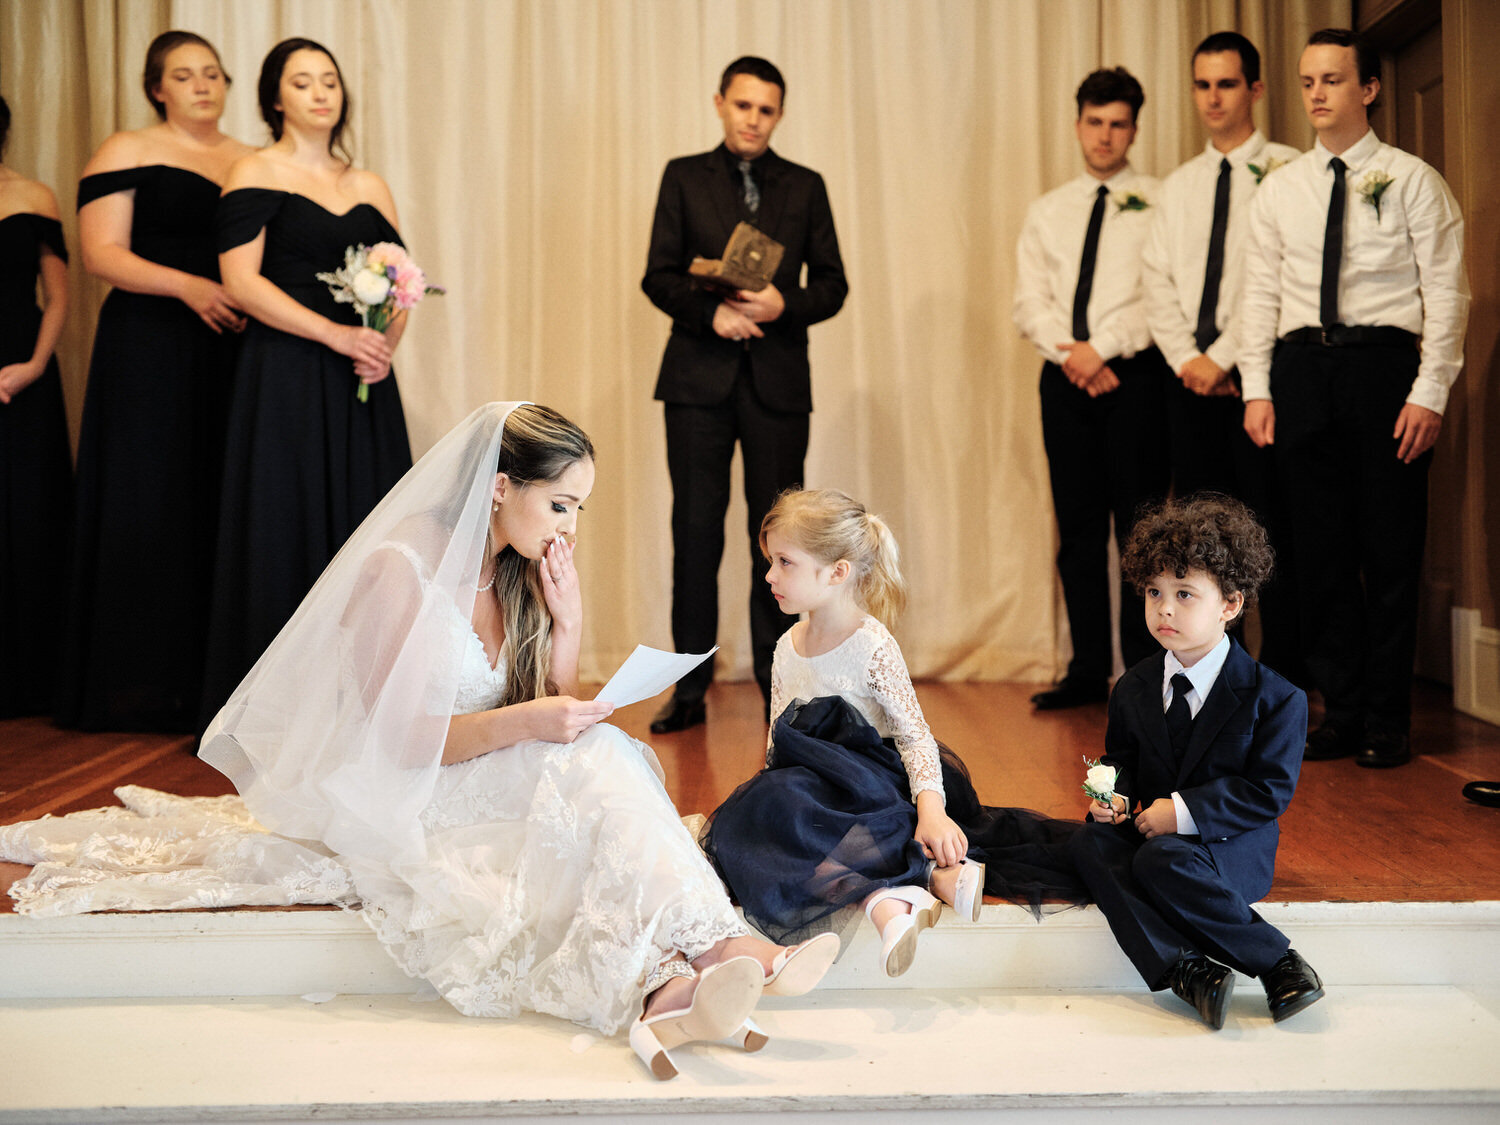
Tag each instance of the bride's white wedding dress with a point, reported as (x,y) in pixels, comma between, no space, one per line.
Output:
(556,875)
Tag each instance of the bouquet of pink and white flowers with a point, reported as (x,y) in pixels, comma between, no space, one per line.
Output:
(378,280)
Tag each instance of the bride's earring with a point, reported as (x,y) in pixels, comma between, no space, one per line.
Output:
(496,507)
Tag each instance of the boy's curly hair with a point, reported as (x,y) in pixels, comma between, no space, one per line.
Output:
(1207,531)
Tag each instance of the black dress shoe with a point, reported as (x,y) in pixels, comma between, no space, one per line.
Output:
(1382,751)
(1291,985)
(1070,693)
(1484,793)
(1204,985)
(678,715)
(1329,742)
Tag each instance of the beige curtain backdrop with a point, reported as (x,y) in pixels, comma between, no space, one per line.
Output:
(524,141)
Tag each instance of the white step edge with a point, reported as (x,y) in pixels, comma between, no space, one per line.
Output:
(288,953)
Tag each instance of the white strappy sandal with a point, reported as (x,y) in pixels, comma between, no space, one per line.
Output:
(797,971)
(726,995)
(898,941)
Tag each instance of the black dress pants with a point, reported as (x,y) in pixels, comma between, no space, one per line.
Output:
(700,450)
(1106,457)
(1165,900)
(1212,453)
(1359,523)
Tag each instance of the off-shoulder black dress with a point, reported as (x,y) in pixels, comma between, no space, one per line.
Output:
(306,461)
(149,458)
(36,479)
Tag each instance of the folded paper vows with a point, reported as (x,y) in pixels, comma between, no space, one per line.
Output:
(647,672)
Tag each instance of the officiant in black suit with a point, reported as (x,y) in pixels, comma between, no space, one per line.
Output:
(735,366)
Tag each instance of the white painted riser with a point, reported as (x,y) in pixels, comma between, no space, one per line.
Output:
(289,953)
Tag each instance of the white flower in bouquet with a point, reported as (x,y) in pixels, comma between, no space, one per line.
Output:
(370,288)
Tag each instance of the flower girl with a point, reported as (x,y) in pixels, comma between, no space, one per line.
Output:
(858,804)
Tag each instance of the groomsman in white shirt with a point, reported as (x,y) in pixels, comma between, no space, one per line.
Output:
(1078,300)
(1192,270)
(1351,334)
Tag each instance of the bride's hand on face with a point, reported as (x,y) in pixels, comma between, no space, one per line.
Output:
(560,586)
(561,718)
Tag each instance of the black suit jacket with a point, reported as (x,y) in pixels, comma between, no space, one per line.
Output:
(696,210)
(1240,768)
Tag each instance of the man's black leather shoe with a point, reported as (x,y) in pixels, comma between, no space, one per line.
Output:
(1070,693)
(1291,985)
(1484,793)
(1382,751)
(678,715)
(1204,985)
(1329,742)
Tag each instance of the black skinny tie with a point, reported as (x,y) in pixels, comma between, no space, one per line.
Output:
(1180,715)
(1333,248)
(1208,307)
(752,192)
(1086,268)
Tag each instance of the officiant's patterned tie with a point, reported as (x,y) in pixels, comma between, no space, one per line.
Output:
(1208,307)
(1180,716)
(1086,267)
(1333,248)
(752,192)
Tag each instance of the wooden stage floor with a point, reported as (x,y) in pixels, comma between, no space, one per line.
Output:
(1351,835)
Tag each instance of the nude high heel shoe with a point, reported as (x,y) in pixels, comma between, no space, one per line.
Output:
(726,995)
(898,941)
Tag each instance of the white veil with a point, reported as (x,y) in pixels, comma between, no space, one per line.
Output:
(337,733)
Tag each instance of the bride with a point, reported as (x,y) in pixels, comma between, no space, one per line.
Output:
(416,718)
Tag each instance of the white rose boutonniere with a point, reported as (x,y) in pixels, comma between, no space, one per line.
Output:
(1100,781)
(1129,201)
(1372,186)
(1261,171)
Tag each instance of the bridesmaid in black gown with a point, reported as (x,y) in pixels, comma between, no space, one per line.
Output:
(36,467)
(150,449)
(306,460)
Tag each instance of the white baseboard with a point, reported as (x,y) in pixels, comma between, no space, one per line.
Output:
(1476,666)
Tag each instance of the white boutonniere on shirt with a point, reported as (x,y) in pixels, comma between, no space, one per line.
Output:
(1130,201)
(1261,171)
(1372,187)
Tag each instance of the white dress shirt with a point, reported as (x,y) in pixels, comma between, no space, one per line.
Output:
(1050,250)
(1202,676)
(1401,267)
(1176,252)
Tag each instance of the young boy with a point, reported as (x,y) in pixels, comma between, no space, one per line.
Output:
(1208,745)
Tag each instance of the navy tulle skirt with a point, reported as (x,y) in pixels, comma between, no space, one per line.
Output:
(831,819)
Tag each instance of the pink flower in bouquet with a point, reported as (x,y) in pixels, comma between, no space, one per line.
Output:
(409,284)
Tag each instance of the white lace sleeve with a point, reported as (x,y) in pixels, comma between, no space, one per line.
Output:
(890,683)
(778,694)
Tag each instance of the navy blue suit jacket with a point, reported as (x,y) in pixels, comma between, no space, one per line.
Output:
(1240,768)
(696,211)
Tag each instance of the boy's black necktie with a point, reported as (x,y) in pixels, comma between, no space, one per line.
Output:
(1180,715)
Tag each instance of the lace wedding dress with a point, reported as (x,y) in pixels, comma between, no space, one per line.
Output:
(538,876)
(567,872)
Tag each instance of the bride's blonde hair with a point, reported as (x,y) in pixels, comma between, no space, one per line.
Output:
(539,445)
(831,525)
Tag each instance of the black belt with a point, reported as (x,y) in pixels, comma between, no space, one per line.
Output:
(1353,336)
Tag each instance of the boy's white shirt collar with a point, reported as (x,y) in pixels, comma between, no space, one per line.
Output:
(1201,675)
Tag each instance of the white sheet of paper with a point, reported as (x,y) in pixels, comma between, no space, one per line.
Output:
(647,672)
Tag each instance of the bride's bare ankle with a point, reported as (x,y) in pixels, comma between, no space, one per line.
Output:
(675,994)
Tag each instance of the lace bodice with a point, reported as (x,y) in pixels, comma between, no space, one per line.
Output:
(479,685)
(868,671)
